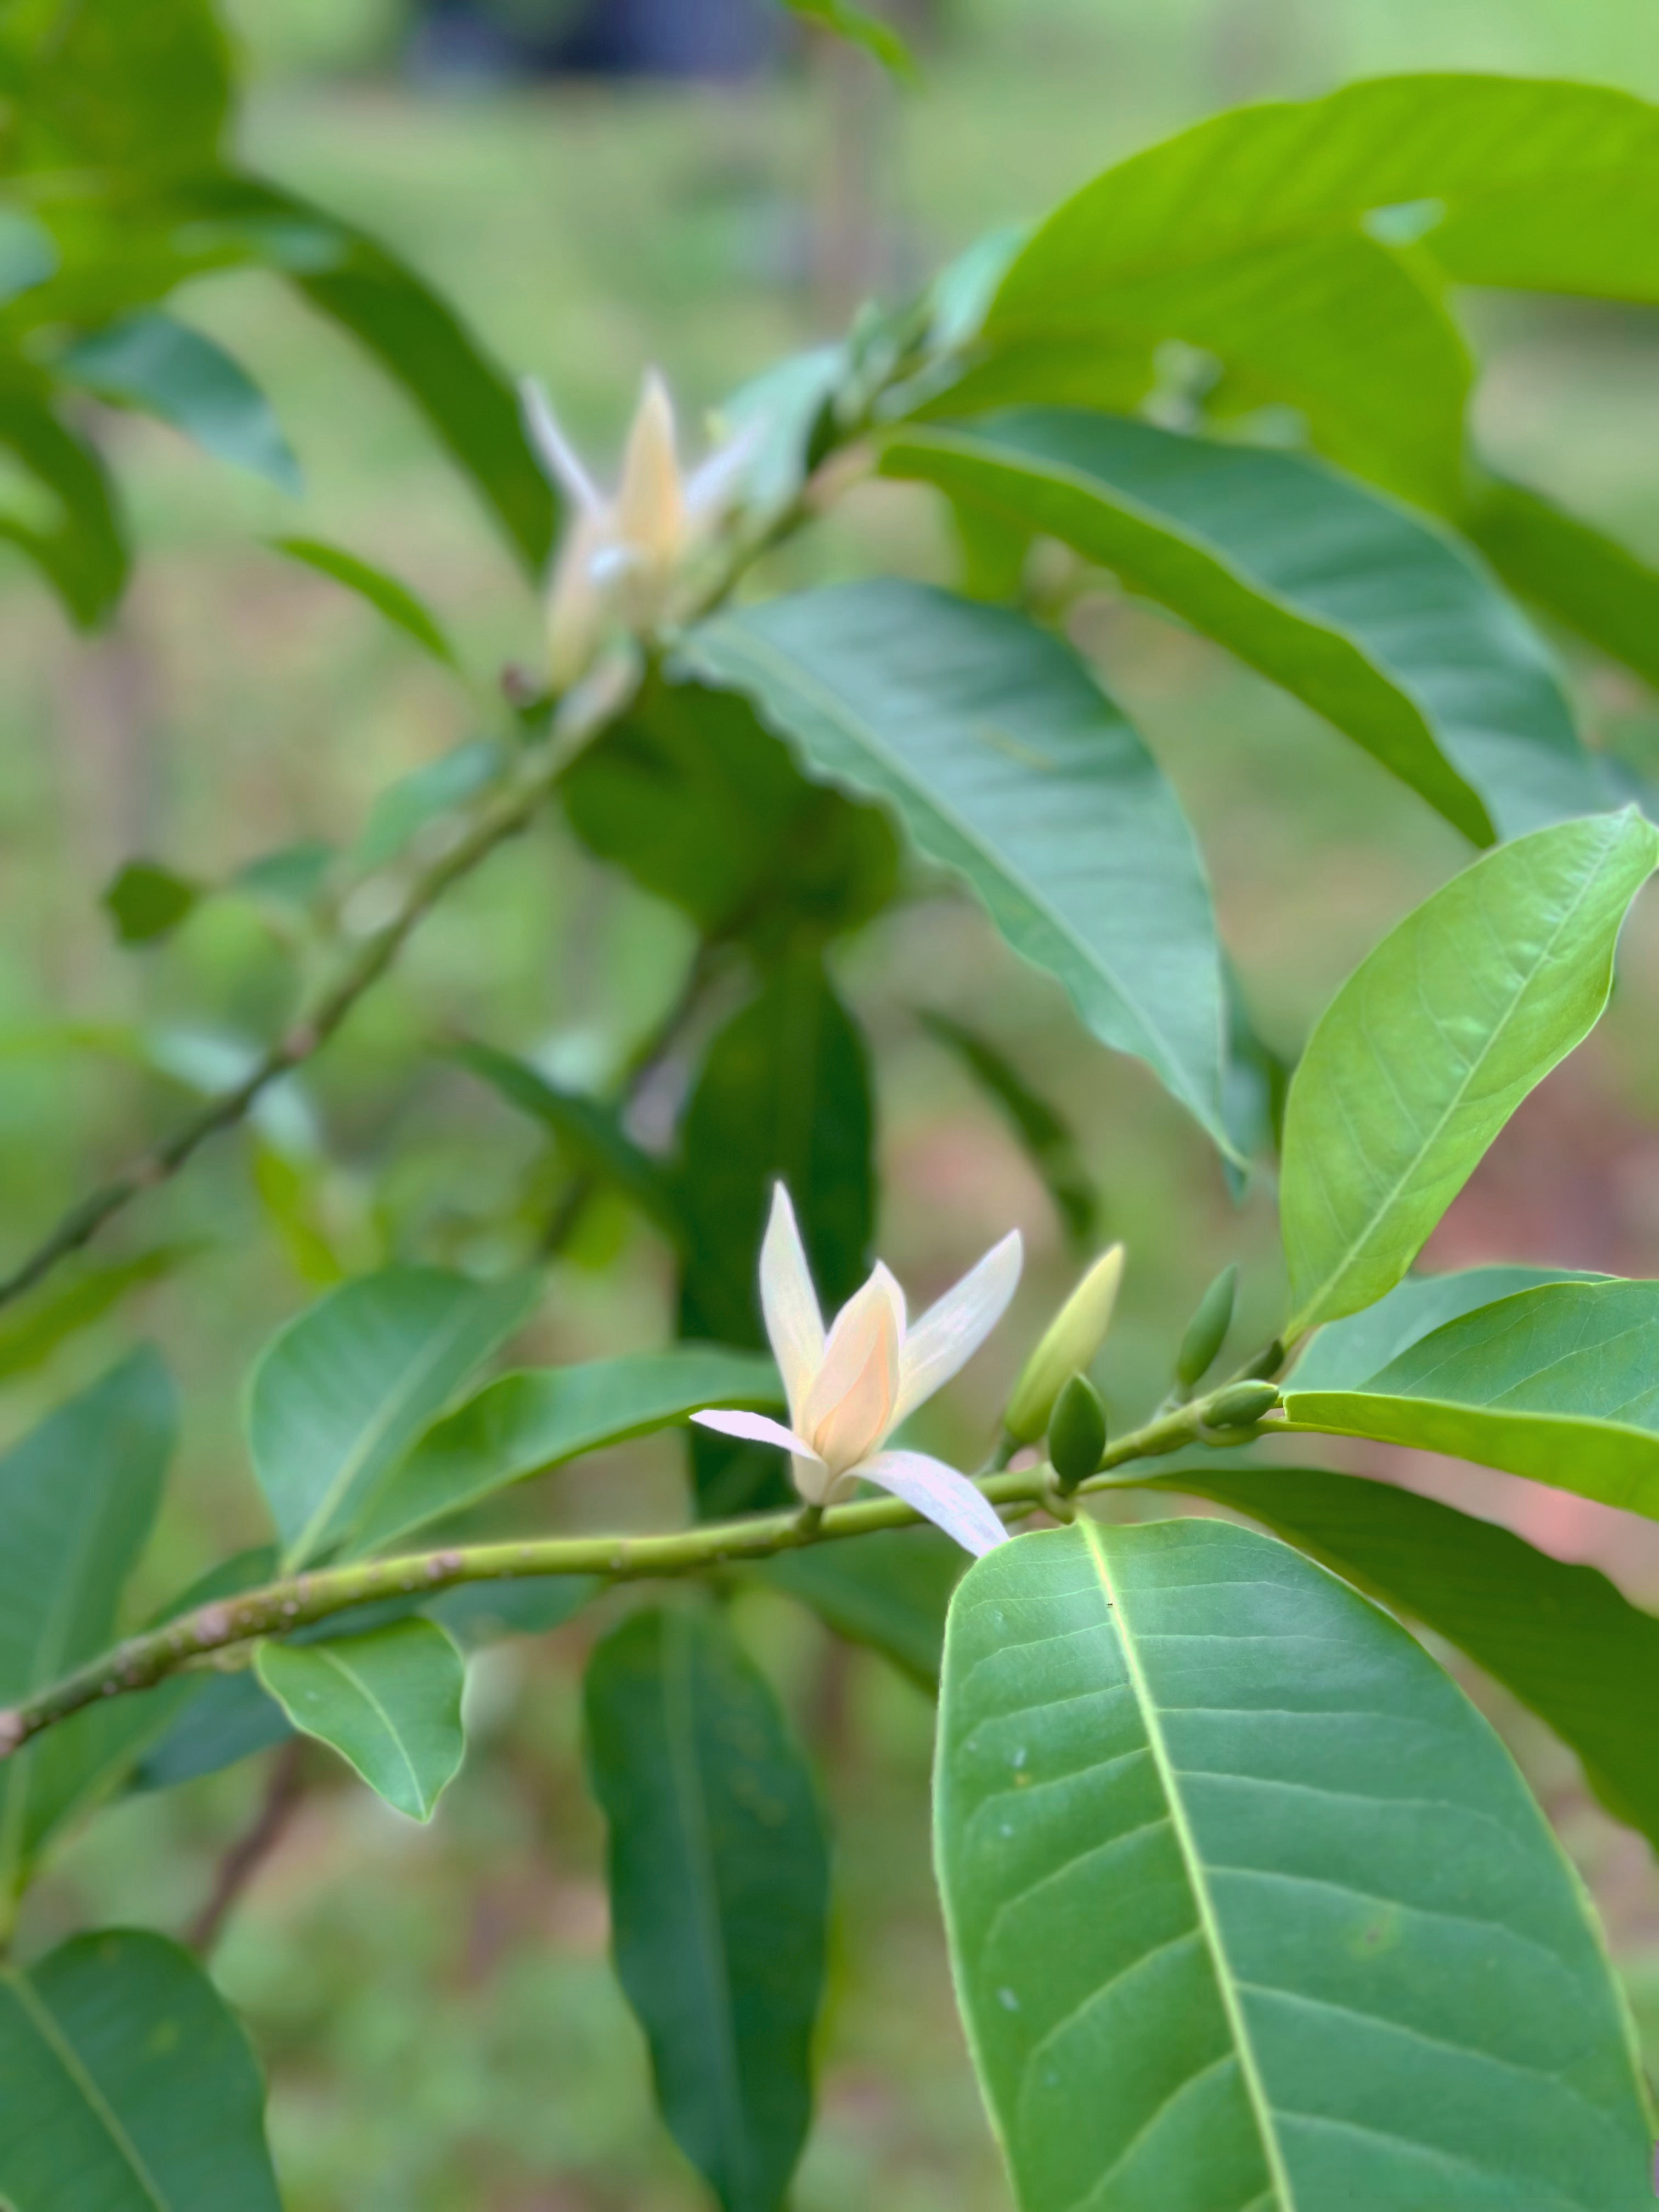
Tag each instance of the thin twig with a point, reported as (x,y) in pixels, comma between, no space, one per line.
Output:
(283,1791)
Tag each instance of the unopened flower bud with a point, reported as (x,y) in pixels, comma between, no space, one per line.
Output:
(1207,1332)
(1067,1346)
(1077,1432)
(1240,1406)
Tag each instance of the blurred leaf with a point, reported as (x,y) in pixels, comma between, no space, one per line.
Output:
(719,1891)
(28,255)
(522,1424)
(1571,570)
(784,411)
(405,807)
(293,875)
(705,808)
(147,901)
(1229,1927)
(130,2084)
(1434,1041)
(1561,1383)
(224,1719)
(1256,1088)
(1375,619)
(102,84)
(859,29)
(587,1129)
(784,1095)
(30,1333)
(1561,1638)
(288,1190)
(166,369)
(77,1499)
(341,1394)
(80,551)
(1048,1140)
(1346,1353)
(385,593)
(389,1702)
(1008,762)
(889,1590)
(476,1614)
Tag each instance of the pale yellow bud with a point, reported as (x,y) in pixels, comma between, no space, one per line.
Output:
(1067,1347)
(650,516)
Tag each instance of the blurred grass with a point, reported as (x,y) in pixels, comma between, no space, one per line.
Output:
(440,2026)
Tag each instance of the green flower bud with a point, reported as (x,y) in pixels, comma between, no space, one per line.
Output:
(1068,1345)
(1240,1406)
(1077,1432)
(1207,1332)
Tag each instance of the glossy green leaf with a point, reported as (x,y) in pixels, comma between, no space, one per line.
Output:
(705,808)
(76,543)
(1346,1353)
(389,1702)
(1435,1040)
(130,2086)
(1561,1383)
(890,1590)
(1373,616)
(1050,1143)
(784,1095)
(343,1391)
(523,1425)
(395,601)
(1560,1638)
(146,901)
(164,368)
(78,1496)
(1247,1906)
(719,1891)
(859,29)
(1008,762)
(1571,570)
(587,1129)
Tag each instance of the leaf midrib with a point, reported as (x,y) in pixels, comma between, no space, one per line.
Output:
(357,1682)
(45,2026)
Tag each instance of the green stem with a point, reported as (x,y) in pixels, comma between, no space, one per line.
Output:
(299,1600)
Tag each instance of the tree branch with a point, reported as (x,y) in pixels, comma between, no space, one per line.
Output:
(252,1847)
(298,1601)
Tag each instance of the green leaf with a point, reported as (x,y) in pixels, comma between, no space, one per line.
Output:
(890,1590)
(384,592)
(130,2085)
(1247,1906)
(1434,1041)
(705,808)
(1049,1145)
(30,1333)
(403,808)
(1560,1638)
(78,1496)
(719,1891)
(147,901)
(1374,617)
(389,1702)
(1571,570)
(1008,762)
(859,29)
(165,369)
(77,545)
(1561,1383)
(784,1095)
(588,1128)
(104,85)
(343,1392)
(522,1424)
(1346,1353)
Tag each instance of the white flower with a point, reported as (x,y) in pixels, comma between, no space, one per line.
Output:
(850,1388)
(623,559)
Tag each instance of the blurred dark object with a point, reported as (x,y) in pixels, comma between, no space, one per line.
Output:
(710,38)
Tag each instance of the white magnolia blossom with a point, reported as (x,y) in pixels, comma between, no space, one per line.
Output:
(849,1388)
(623,559)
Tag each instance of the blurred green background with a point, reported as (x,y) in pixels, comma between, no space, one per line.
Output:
(434,2006)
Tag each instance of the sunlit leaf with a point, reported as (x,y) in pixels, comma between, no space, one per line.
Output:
(859,29)
(395,601)
(1346,1353)
(1249,1906)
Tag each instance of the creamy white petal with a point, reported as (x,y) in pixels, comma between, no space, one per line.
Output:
(755,1429)
(578,608)
(712,483)
(794,1323)
(554,450)
(651,501)
(849,1407)
(950,1333)
(948,1499)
